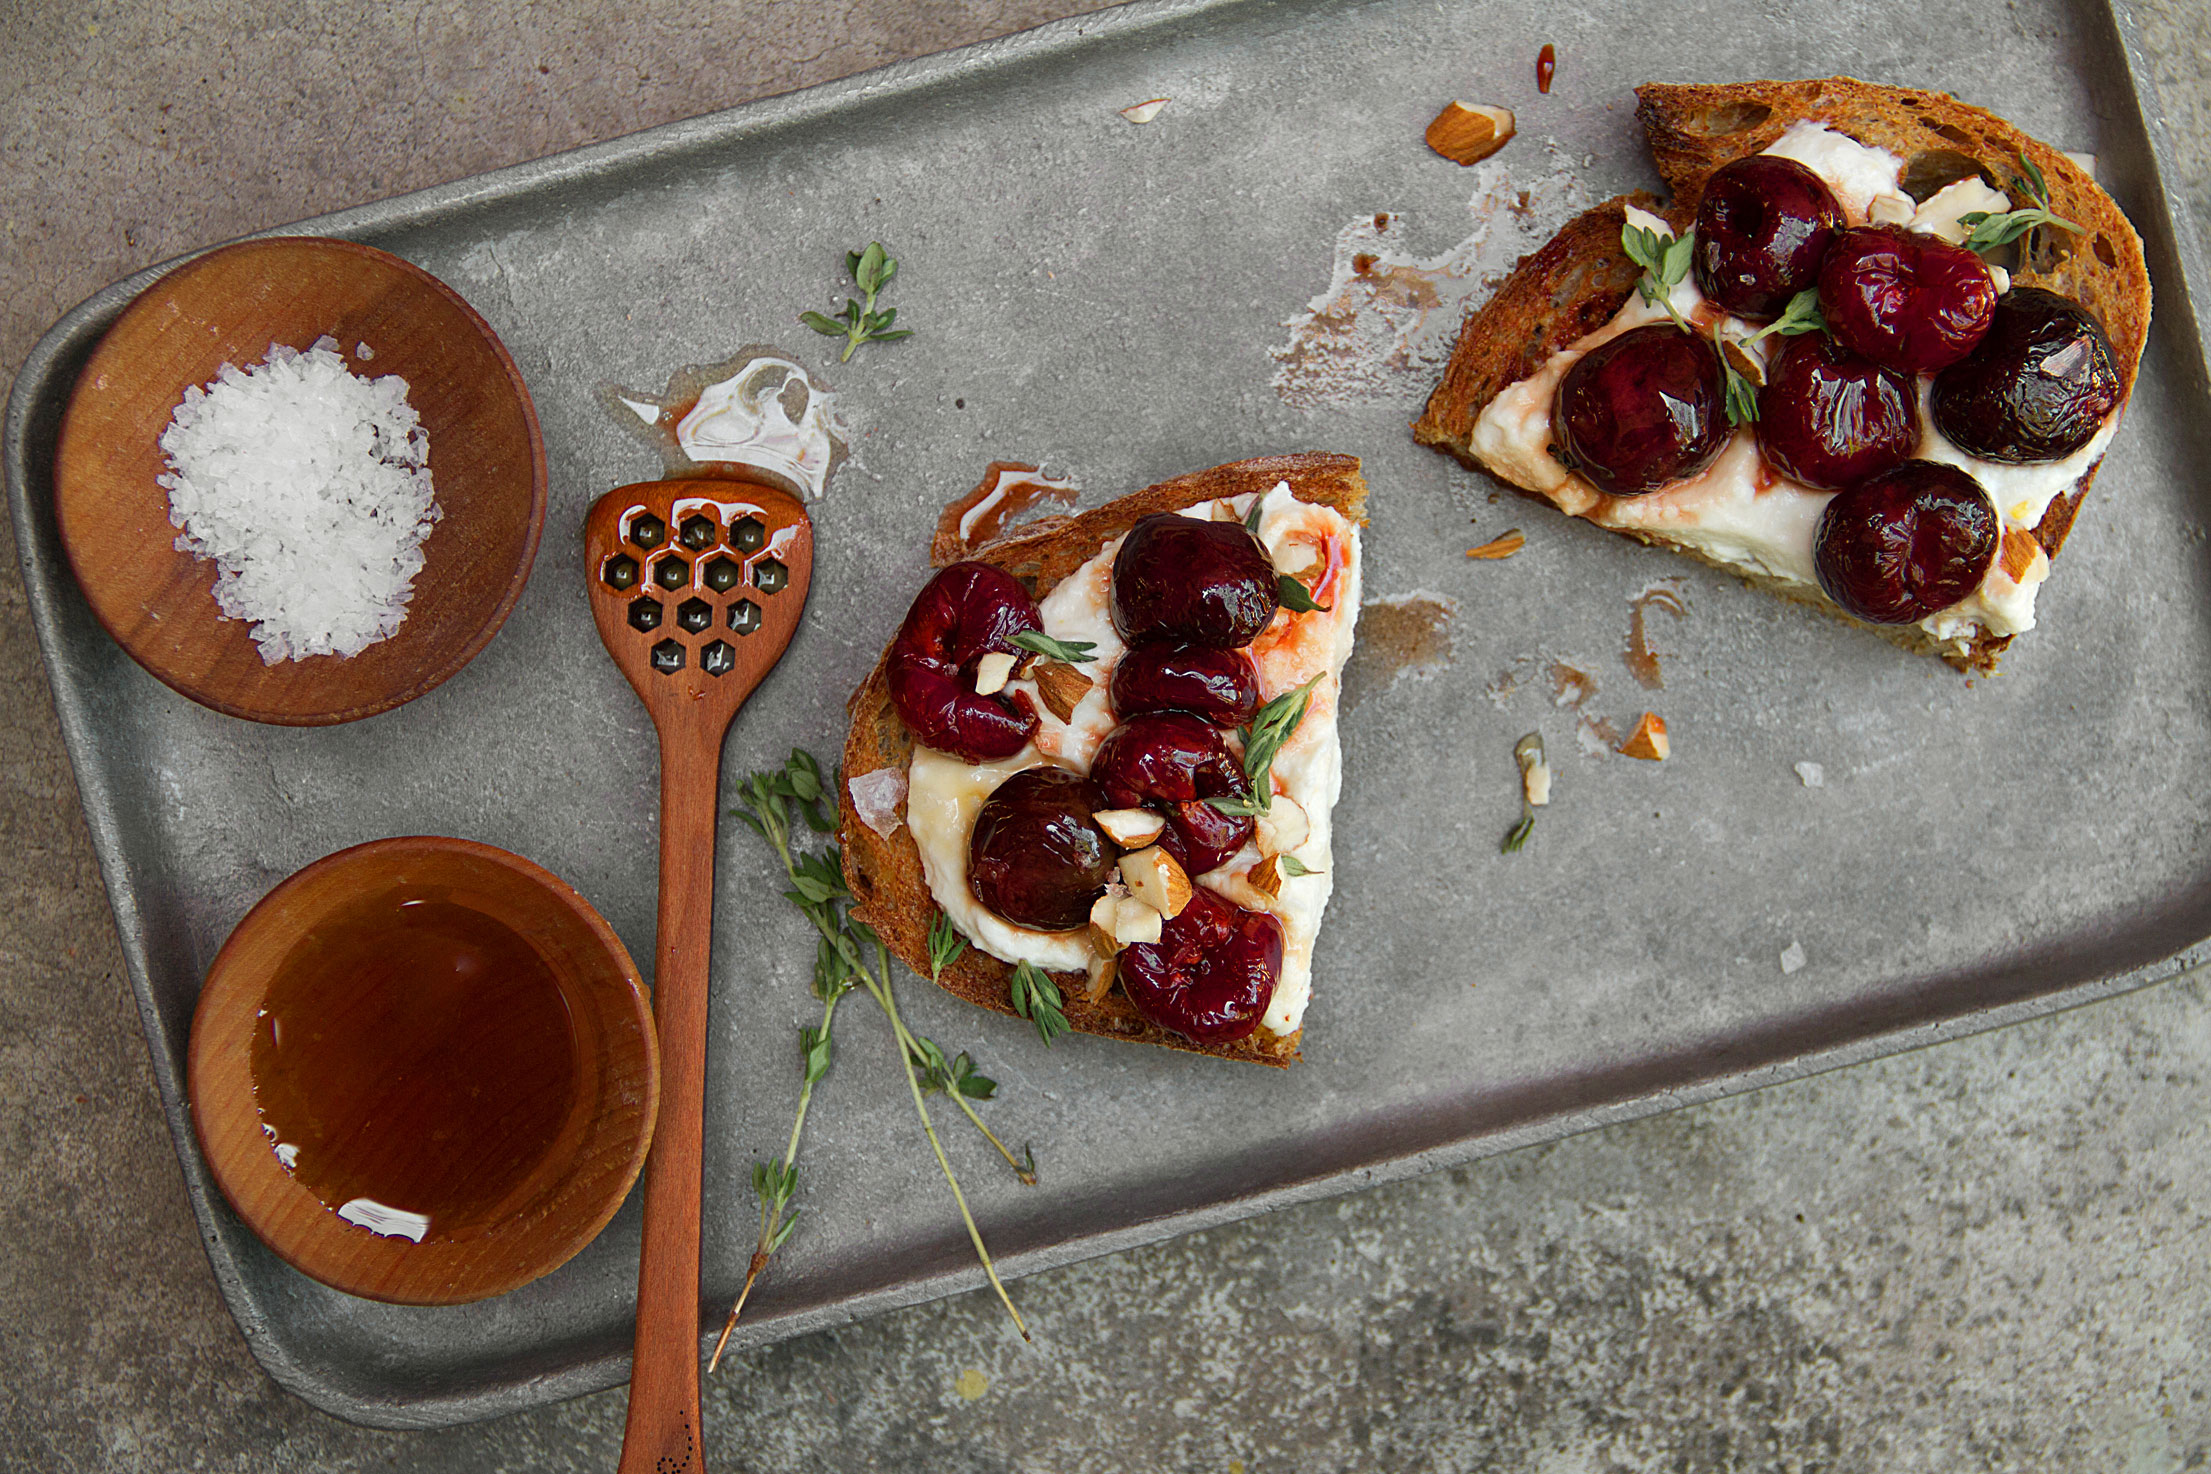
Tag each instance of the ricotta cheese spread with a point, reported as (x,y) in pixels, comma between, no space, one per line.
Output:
(1740,511)
(945,793)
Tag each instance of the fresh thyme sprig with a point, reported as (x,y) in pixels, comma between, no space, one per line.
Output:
(1665,263)
(1074,652)
(1802,315)
(872,270)
(1037,998)
(848,954)
(957,1077)
(1989,232)
(1270,727)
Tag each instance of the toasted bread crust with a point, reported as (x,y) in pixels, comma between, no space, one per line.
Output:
(890,891)
(1692,131)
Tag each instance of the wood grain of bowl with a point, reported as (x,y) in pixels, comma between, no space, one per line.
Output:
(487,458)
(507,1209)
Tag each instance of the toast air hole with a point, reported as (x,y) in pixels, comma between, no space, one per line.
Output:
(1935,169)
(1734,117)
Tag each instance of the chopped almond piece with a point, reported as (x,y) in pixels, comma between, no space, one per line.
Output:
(2020,551)
(992,672)
(1144,112)
(1503,546)
(1266,877)
(1103,969)
(1283,827)
(1468,134)
(1130,828)
(1062,687)
(1648,740)
(1158,880)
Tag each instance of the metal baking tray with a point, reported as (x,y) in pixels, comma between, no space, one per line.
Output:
(1107,297)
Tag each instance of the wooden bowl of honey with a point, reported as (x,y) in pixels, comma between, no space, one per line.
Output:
(424,1070)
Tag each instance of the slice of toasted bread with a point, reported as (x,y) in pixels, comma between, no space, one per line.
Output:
(890,891)
(1582,277)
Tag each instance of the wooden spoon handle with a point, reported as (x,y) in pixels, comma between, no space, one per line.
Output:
(662,1435)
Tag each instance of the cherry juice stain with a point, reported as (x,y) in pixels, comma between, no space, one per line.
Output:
(1406,635)
(413,1065)
(1640,659)
(1007,494)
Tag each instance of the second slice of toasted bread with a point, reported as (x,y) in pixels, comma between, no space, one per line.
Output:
(1577,282)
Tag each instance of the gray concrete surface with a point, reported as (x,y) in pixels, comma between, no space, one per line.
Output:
(1989,1256)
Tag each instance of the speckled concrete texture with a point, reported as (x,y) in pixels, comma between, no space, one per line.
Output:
(1988,1256)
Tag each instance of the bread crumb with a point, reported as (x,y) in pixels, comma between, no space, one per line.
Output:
(1792,956)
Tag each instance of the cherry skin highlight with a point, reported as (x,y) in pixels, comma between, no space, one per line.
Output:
(1827,417)
(1642,410)
(964,613)
(1037,857)
(2039,386)
(1763,227)
(1211,974)
(1899,546)
(1171,762)
(1905,299)
(1220,685)
(1202,583)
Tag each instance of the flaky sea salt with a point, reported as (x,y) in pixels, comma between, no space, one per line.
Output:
(310,489)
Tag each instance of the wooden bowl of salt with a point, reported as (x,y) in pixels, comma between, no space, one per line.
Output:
(292,474)
(424,1070)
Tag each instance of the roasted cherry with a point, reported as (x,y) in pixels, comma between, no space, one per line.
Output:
(1898,546)
(1219,685)
(1641,410)
(1827,417)
(1036,857)
(961,615)
(1763,227)
(1211,974)
(2037,389)
(1905,299)
(1206,583)
(1172,762)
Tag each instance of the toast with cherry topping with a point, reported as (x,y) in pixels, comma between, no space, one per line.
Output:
(945,698)
(1958,375)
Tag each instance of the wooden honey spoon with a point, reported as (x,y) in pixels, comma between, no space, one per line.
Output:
(697,587)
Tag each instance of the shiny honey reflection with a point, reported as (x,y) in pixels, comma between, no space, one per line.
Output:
(414,1061)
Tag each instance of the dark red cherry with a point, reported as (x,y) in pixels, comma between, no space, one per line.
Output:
(1763,227)
(1827,417)
(1905,299)
(1211,974)
(1898,546)
(1641,410)
(1219,685)
(1206,583)
(961,615)
(2039,386)
(1171,762)
(1036,857)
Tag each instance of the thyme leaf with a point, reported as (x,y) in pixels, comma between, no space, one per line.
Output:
(872,270)
(1074,652)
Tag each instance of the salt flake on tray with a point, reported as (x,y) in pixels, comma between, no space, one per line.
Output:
(310,489)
